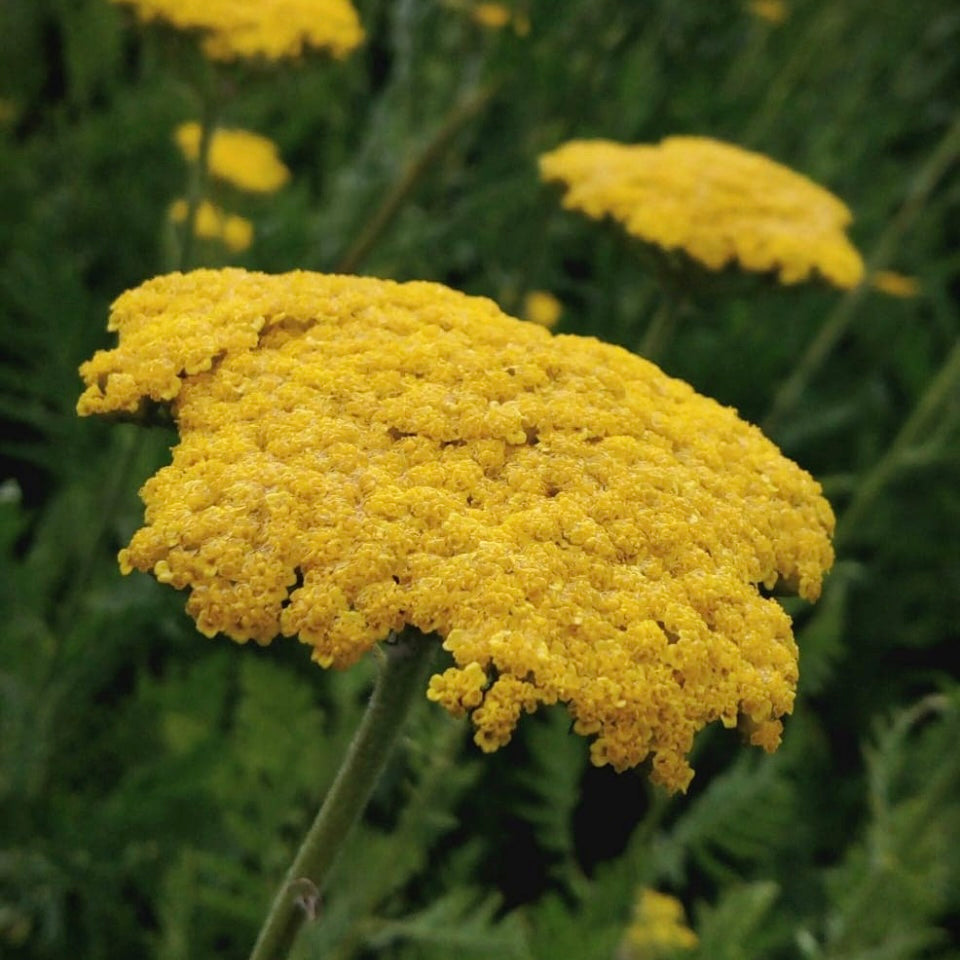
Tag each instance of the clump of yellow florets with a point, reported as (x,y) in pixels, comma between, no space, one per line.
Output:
(357,455)
(212,223)
(658,928)
(240,158)
(716,202)
(270,29)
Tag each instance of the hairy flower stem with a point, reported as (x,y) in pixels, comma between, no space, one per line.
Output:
(393,202)
(403,676)
(890,240)
(945,384)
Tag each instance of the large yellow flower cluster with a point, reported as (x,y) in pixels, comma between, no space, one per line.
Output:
(356,455)
(716,202)
(272,29)
(243,159)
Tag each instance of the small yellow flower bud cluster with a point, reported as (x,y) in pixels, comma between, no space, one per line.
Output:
(658,929)
(357,455)
(212,223)
(496,16)
(240,158)
(773,12)
(718,203)
(268,29)
(895,284)
(541,306)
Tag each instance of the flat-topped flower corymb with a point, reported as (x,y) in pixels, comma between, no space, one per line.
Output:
(357,455)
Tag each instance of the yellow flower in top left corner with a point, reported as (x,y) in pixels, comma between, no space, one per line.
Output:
(270,29)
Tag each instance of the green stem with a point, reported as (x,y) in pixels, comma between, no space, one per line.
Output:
(890,240)
(198,180)
(818,43)
(402,189)
(403,675)
(661,328)
(406,840)
(944,384)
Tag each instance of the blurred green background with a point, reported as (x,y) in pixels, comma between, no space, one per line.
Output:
(153,783)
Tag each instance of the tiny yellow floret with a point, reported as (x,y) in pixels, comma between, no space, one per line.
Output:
(357,455)
(492,15)
(267,29)
(212,223)
(542,307)
(243,159)
(895,284)
(658,928)
(716,202)
(773,12)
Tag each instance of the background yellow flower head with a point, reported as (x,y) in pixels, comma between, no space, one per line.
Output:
(658,928)
(212,223)
(272,29)
(243,159)
(716,202)
(356,455)
(541,306)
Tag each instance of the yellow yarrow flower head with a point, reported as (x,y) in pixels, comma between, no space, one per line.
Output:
(212,223)
(240,158)
(271,29)
(357,455)
(541,306)
(717,203)
(658,929)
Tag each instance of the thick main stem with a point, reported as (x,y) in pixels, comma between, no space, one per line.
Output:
(402,676)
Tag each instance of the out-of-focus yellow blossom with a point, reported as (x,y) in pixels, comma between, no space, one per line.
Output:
(272,29)
(245,160)
(212,223)
(716,202)
(658,928)
(493,15)
(772,11)
(541,306)
(8,111)
(895,284)
(357,455)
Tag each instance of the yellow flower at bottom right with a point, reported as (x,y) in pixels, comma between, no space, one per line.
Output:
(658,928)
